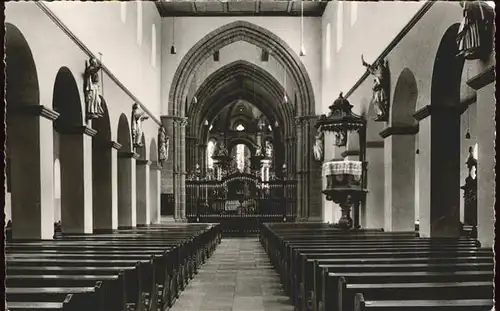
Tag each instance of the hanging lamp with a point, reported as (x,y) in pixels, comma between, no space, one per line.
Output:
(302,48)
(173,50)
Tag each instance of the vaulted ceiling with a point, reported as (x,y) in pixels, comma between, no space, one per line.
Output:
(240,8)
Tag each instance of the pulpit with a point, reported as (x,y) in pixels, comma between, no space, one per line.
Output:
(345,180)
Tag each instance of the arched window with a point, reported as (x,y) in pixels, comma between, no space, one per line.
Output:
(123,11)
(139,23)
(210,153)
(240,156)
(240,127)
(57,179)
(354,12)
(474,151)
(153,45)
(340,24)
(328,45)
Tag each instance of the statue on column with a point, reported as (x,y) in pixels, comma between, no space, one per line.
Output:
(318,146)
(381,85)
(269,149)
(138,116)
(93,98)
(163,144)
(475,34)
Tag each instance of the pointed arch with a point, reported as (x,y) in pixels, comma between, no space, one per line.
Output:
(227,34)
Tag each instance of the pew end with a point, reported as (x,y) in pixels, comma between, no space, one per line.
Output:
(359,302)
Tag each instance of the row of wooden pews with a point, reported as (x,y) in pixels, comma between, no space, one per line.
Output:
(325,269)
(139,269)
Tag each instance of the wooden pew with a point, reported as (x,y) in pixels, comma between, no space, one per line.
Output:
(360,304)
(125,243)
(70,303)
(89,298)
(295,254)
(330,293)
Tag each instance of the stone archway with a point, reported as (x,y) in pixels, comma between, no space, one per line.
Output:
(303,131)
(105,213)
(400,149)
(142,185)
(439,159)
(154,183)
(73,148)
(126,176)
(29,160)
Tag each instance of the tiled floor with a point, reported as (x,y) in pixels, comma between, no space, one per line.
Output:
(238,277)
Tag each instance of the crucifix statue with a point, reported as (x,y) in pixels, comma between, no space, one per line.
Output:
(138,116)
(380,72)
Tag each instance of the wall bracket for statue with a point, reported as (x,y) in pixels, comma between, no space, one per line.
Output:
(138,116)
(381,88)
(94,101)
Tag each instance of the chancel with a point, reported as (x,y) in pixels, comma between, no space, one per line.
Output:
(249,155)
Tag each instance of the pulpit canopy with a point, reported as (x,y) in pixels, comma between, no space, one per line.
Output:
(340,118)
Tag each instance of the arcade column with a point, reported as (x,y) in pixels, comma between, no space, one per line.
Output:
(439,171)
(127,204)
(32,174)
(299,173)
(399,172)
(143,192)
(484,84)
(179,155)
(76,178)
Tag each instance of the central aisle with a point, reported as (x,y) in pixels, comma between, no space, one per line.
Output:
(238,277)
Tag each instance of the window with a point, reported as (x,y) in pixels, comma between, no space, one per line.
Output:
(240,156)
(354,12)
(340,24)
(474,151)
(328,46)
(153,45)
(123,11)
(210,153)
(139,23)
(240,128)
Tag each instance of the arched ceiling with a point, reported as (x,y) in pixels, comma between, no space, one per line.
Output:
(240,80)
(236,51)
(224,36)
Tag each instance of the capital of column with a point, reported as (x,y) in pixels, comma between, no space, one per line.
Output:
(71,129)
(32,111)
(155,165)
(428,110)
(113,144)
(181,121)
(399,130)
(128,155)
(142,162)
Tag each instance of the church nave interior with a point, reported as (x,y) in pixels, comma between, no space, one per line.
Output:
(249,155)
